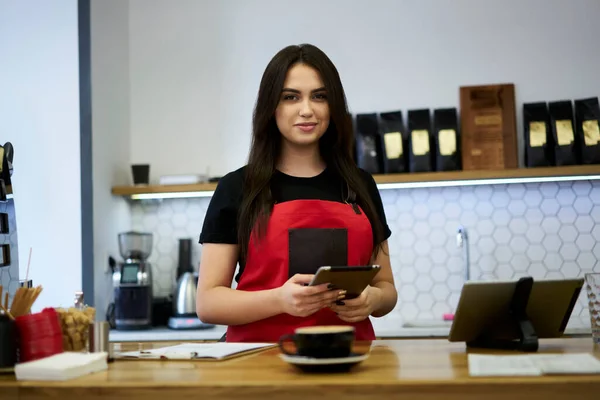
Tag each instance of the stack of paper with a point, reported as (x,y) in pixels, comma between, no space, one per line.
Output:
(533,364)
(196,351)
(63,366)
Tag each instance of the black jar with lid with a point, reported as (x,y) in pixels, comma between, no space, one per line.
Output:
(8,342)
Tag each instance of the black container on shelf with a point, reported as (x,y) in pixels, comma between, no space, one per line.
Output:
(446,140)
(587,119)
(368,143)
(419,141)
(394,142)
(538,139)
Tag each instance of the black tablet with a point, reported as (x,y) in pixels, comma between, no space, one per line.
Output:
(351,279)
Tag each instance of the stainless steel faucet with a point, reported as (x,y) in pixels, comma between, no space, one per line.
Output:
(462,240)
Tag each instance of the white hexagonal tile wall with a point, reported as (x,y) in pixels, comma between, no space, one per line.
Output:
(565,196)
(517,208)
(518,244)
(408,293)
(516,191)
(585,242)
(534,216)
(436,200)
(551,242)
(533,198)
(567,233)
(500,200)
(586,261)
(546,230)
(518,226)
(536,252)
(569,252)
(484,210)
(595,214)
(570,269)
(582,188)
(501,217)
(550,206)
(584,224)
(553,261)
(567,215)
(440,292)
(583,205)
(519,262)
(549,190)
(595,195)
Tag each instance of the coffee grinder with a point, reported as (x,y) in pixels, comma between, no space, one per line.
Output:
(132,282)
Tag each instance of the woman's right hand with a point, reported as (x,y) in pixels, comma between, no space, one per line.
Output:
(301,301)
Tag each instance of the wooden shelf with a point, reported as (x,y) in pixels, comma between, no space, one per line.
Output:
(398,181)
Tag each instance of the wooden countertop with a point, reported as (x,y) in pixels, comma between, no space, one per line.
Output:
(412,369)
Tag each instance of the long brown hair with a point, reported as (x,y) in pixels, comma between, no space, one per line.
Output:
(336,145)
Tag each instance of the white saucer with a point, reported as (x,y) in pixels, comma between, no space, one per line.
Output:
(310,364)
(324,361)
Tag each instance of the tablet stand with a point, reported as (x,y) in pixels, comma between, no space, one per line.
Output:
(528,340)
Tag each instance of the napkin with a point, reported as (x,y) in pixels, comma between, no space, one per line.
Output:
(63,366)
(532,365)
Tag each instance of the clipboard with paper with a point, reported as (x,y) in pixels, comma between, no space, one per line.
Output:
(196,351)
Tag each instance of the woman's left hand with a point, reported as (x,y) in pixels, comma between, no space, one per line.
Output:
(360,308)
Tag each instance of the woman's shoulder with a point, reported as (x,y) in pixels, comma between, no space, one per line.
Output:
(368,179)
(231,183)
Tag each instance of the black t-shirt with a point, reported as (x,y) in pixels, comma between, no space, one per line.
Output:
(220,222)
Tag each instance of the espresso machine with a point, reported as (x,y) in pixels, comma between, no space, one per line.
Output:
(132,282)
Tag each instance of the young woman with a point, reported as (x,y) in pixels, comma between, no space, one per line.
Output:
(299,203)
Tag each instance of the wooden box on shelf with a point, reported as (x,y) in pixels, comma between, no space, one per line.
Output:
(488,127)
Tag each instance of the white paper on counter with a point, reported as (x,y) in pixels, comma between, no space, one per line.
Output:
(582,363)
(194,351)
(491,365)
(532,364)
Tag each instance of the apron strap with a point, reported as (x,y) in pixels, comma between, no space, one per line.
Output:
(351,195)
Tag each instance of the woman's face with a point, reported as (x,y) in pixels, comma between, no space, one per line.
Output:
(302,115)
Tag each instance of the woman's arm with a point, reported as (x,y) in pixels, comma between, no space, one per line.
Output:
(384,283)
(217,302)
(377,300)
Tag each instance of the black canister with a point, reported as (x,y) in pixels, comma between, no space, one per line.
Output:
(8,343)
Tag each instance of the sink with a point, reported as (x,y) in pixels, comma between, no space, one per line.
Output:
(427,323)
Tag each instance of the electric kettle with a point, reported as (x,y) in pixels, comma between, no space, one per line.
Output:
(184,298)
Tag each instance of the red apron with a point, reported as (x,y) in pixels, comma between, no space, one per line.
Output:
(301,236)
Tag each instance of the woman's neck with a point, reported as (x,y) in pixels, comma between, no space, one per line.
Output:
(303,162)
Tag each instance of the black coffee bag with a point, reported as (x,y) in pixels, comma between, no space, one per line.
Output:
(368,143)
(446,139)
(587,118)
(563,133)
(419,141)
(539,142)
(391,128)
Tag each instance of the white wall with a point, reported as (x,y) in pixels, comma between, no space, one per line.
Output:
(196,64)
(39,114)
(110,136)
